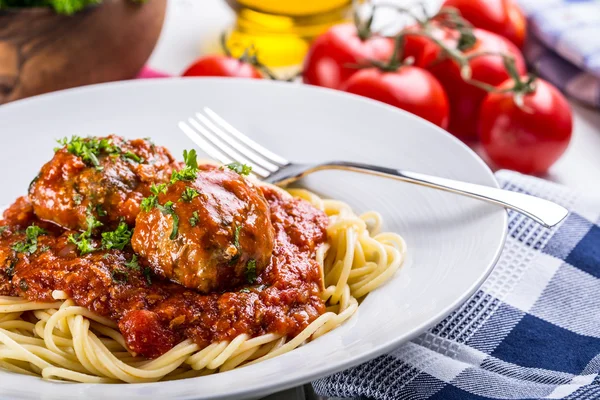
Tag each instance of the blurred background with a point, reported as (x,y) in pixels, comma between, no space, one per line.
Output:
(68,43)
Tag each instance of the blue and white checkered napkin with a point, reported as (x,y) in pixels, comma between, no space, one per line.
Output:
(564,45)
(532,331)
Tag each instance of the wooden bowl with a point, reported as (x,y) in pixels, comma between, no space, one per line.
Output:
(41,51)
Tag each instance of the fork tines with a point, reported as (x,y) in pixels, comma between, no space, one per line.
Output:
(221,141)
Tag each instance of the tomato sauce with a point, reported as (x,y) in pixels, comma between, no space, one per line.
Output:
(155,314)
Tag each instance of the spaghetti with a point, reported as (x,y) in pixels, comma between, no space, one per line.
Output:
(61,340)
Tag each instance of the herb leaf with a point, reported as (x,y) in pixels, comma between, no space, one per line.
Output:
(29,245)
(119,275)
(82,240)
(117,239)
(87,149)
(194,219)
(240,168)
(133,263)
(251,271)
(152,201)
(132,156)
(187,173)
(148,275)
(168,209)
(189,194)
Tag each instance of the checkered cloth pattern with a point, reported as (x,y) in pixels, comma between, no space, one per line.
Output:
(564,45)
(532,331)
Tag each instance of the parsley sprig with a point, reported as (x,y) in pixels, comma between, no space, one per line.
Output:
(117,239)
(30,244)
(82,240)
(152,201)
(194,219)
(88,149)
(240,168)
(167,209)
(189,172)
(188,194)
(251,271)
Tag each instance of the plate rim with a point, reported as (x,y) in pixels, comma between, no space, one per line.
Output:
(288,381)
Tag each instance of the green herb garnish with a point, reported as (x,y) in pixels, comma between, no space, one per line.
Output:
(133,263)
(117,239)
(3,228)
(152,201)
(240,168)
(119,275)
(132,156)
(77,199)
(87,149)
(101,211)
(29,245)
(245,290)
(251,271)
(82,240)
(167,209)
(187,173)
(194,219)
(189,194)
(148,275)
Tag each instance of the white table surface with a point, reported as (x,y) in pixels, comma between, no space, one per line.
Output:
(192,28)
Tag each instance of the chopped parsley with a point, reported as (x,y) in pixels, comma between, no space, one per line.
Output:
(117,239)
(100,211)
(3,228)
(44,248)
(77,199)
(251,271)
(187,173)
(194,219)
(120,276)
(133,263)
(132,156)
(152,201)
(240,168)
(167,209)
(29,245)
(148,275)
(189,194)
(23,285)
(82,240)
(87,149)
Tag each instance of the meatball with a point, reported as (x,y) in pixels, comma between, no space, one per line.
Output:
(107,177)
(209,234)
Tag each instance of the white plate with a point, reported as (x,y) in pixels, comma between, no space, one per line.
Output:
(453,241)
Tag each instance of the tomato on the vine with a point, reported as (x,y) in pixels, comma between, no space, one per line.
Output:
(336,55)
(503,17)
(465,98)
(222,65)
(530,136)
(410,88)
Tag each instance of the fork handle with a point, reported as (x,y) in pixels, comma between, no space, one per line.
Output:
(540,210)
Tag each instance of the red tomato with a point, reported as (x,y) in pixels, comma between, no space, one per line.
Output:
(530,138)
(503,17)
(410,88)
(335,55)
(464,98)
(217,65)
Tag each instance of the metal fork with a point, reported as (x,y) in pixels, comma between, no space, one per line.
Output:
(220,140)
